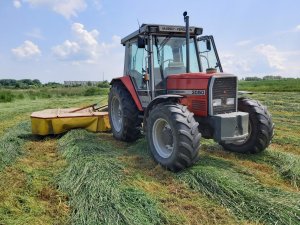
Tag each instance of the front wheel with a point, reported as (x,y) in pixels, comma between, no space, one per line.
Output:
(260,128)
(173,136)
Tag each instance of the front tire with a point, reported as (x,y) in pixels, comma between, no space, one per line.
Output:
(173,136)
(261,128)
(123,114)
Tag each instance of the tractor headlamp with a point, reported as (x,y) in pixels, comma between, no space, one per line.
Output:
(217,102)
(230,101)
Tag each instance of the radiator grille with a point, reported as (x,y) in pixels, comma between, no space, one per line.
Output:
(223,88)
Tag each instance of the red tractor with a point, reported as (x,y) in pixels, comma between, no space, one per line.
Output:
(175,90)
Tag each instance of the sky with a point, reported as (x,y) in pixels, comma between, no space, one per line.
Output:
(57,40)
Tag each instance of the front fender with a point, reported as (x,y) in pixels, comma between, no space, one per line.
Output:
(160,99)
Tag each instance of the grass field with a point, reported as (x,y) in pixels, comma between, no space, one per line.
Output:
(87,178)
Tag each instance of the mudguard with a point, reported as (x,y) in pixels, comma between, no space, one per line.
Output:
(126,80)
(159,99)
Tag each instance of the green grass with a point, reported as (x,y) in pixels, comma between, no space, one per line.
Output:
(111,182)
(283,85)
(240,192)
(95,183)
(10,95)
(12,143)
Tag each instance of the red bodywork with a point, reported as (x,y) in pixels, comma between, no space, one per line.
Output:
(198,104)
(196,82)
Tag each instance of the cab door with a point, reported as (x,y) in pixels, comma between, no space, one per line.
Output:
(136,66)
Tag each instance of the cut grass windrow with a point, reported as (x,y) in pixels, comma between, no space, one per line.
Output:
(95,183)
(11,144)
(27,192)
(242,193)
(286,164)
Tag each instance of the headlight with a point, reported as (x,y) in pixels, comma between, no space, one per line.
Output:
(230,101)
(216,102)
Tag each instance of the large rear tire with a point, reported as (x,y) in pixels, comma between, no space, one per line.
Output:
(260,131)
(123,114)
(173,136)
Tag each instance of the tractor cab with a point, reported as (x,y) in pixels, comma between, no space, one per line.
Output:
(155,52)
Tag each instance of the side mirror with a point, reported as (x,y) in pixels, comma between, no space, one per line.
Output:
(141,42)
(208,45)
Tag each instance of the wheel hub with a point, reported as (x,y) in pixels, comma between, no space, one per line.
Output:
(116,114)
(162,137)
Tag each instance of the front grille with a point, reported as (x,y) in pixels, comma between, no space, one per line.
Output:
(223,88)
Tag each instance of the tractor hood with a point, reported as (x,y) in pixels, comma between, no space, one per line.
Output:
(191,81)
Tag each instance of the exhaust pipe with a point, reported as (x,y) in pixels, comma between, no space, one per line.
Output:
(187,37)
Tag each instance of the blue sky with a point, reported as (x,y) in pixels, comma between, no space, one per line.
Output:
(57,40)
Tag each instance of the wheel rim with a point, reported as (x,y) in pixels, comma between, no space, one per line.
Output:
(241,142)
(162,137)
(116,114)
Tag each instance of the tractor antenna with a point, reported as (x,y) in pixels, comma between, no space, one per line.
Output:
(187,36)
(139,25)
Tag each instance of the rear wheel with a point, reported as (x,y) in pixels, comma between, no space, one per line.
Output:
(123,114)
(173,136)
(260,128)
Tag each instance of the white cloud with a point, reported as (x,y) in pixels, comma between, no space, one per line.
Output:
(274,57)
(17,4)
(235,64)
(85,47)
(298,28)
(35,33)
(27,50)
(66,49)
(67,8)
(85,37)
(244,42)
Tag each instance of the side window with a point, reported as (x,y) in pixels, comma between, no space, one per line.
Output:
(137,64)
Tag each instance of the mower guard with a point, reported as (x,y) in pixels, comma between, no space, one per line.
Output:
(57,121)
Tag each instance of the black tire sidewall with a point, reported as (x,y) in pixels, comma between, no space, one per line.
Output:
(253,144)
(115,93)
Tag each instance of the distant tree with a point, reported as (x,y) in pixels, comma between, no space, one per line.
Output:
(36,82)
(252,79)
(271,77)
(103,84)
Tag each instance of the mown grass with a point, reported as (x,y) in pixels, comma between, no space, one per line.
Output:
(241,193)
(110,182)
(27,189)
(28,193)
(95,183)
(12,143)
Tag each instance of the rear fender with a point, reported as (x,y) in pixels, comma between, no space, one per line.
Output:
(127,82)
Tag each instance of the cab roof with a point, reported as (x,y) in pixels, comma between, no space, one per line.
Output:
(161,29)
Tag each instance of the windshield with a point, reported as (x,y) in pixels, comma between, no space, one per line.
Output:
(170,56)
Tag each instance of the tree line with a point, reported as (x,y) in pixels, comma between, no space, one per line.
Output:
(268,77)
(29,83)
